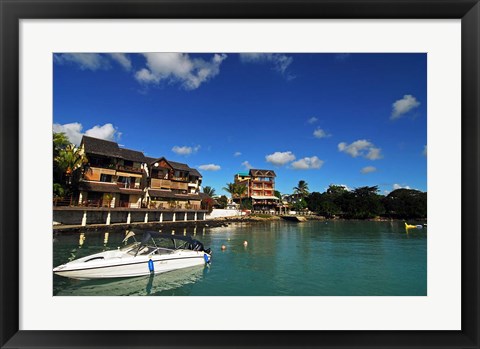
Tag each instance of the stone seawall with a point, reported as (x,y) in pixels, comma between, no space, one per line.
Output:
(85,216)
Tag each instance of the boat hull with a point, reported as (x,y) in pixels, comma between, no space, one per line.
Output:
(135,266)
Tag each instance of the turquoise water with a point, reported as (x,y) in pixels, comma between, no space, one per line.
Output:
(314,258)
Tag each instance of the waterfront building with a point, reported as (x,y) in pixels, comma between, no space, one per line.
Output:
(114,177)
(173,185)
(120,177)
(260,189)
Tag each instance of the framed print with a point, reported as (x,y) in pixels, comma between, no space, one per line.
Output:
(154,106)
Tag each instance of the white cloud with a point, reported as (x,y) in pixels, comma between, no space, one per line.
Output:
(307,163)
(85,61)
(403,106)
(209,167)
(185,150)
(106,131)
(368,169)
(74,132)
(93,61)
(280,158)
(319,133)
(312,120)
(374,154)
(122,59)
(361,147)
(247,165)
(179,68)
(424,150)
(280,61)
(237,153)
(398,186)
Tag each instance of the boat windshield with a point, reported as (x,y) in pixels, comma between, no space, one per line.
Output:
(130,247)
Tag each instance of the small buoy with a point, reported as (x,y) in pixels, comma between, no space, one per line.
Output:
(245,243)
(224,247)
(206,258)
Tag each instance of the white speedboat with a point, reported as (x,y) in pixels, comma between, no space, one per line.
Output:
(156,253)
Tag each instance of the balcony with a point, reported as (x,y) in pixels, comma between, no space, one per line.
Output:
(160,183)
(263,180)
(128,204)
(94,173)
(179,185)
(129,169)
(122,185)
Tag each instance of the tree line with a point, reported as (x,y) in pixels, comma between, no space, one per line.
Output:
(339,202)
(367,203)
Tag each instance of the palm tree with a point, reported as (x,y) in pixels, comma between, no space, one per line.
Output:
(231,189)
(235,190)
(240,190)
(60,141)
(70,160)
(209,191)
(301,189)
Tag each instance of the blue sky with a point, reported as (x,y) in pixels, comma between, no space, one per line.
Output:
(347,119)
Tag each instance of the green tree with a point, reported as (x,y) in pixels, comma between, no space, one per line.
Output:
(300,205)
(59,142)
(365,203)
(222,201)
(231,188)
(69,161)
(240,191)
(236,190)
(406,204)
(301,190)
(209,191)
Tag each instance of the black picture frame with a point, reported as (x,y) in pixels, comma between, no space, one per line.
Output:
(12,11)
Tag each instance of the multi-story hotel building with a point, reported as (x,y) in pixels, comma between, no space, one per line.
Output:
(119,177)
(260,189)
(173,185)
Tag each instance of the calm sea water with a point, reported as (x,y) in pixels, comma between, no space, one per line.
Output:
(314,258)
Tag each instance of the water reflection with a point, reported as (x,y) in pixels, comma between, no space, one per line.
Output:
(150,285)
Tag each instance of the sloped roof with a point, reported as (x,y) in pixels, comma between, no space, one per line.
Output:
(101,147)
(149,160)
(175,165)
(257,172)
(179,166)
(132,155)
(108,148)
(194,172)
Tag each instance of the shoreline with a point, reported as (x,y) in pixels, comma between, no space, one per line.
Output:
(209,223)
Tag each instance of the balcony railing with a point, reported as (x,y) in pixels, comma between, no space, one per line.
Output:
(129,169)
(128,204)
(181,179)
(122,185)
(66,201)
